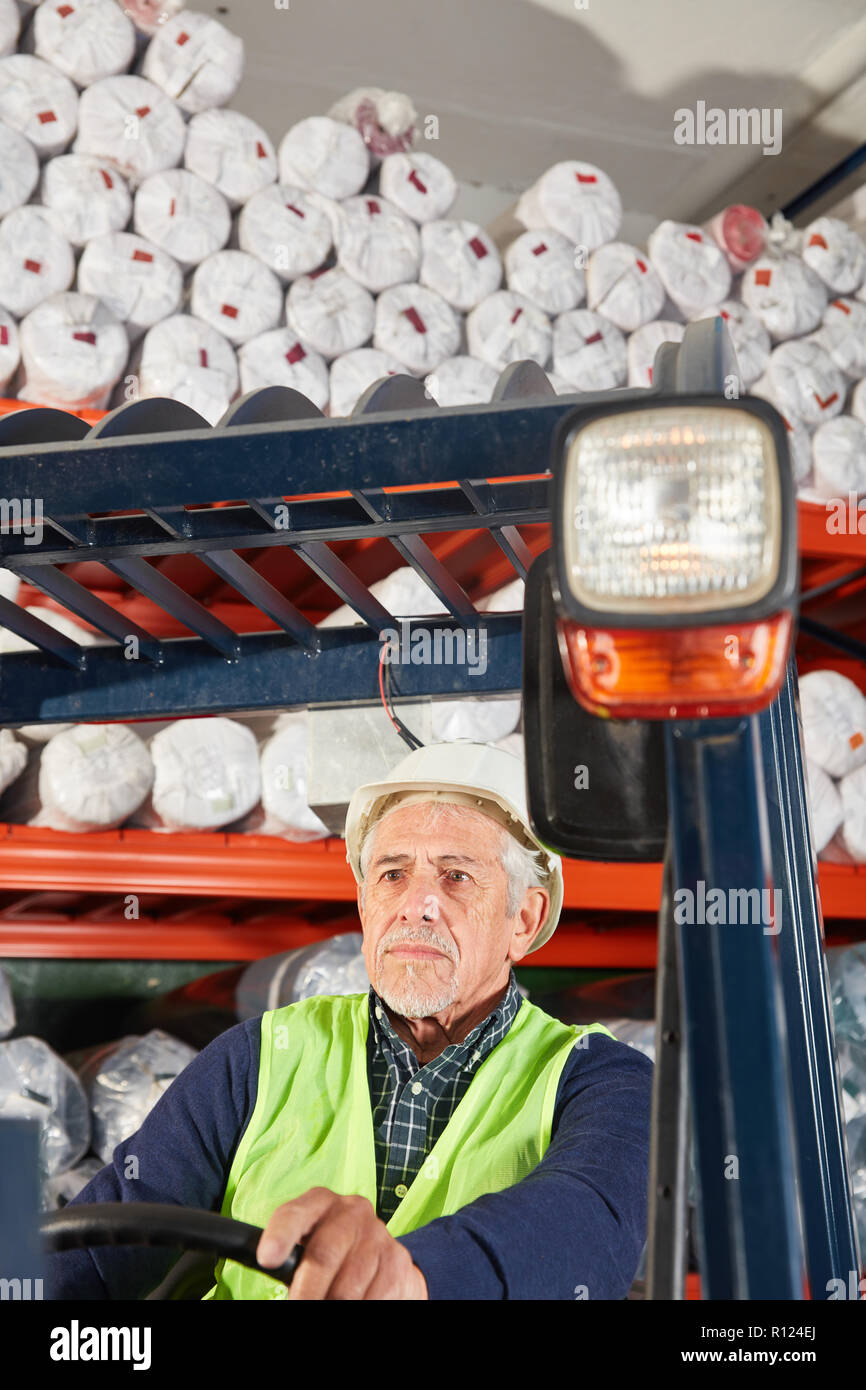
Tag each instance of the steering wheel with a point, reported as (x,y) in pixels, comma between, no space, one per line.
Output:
(160,1224)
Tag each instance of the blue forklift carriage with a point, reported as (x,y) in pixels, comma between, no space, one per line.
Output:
(704,775)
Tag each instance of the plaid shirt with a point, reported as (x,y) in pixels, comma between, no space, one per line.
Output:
(413,1104)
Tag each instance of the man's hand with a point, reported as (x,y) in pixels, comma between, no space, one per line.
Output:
(348,1252)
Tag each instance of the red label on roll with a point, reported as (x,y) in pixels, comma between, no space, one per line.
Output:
(539,250)
(817,240)
(416,320)
(65,11)
(181,40)
(172,208)
(34,266)
(694,236)
(202,357)
(414,178)
(724,313)
(142,256)
(46,117)
(373,206)
(586,178)
(260,150)
(763,277)
(296,211)
(641,265)
(596,338)
(478,247)
(106,178)
(230,311)
(85,338)
(516,315)
(4,335)
(295,354)
(829,400)
(650,375)
(142,111)
(838,304)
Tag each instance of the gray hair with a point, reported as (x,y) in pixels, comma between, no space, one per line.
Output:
(523,866)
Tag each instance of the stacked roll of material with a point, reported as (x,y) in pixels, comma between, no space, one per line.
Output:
(87,40)
(691,266)
(284,782)
(140,283)
(384,120)
(505,328)
(852,792)
(334,966)
(460,262)
(92,777)
(331,311)
(183,215)
(643,346)
(843,335)
(352,373)
(36,1084)
(623,286)
(462,380)
(376,243)
(788,296)
(417,327)
(420,185)
(589,351)
(36,261)
(124,1080)
(287,229)
(39,102)
(324,155)
(804,381)
(188,360)
(232,152)
(19,169)
(73,352)
(576,199)
(13,759)
(195,60)
(279,358)
(130,122)
(206,774)
(542,267)
(87,196)
(858,401)
(825,805)
(839,458)
(750,339)
(834,721)
(836,253)
(236,294)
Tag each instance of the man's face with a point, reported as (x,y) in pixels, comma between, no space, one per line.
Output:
(436,933)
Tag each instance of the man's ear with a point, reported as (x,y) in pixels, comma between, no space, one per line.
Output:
(528,923)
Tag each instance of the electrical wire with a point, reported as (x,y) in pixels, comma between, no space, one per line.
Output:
(388,702)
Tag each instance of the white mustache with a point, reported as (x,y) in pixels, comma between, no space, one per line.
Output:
(416,936)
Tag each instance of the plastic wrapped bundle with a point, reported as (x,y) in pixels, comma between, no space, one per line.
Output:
(804,382)
(741,232)
(7,1002)
(384,120)
(482,720)
(541,266)
(420,185)
(237,295)
(130,122)
(232,152)
(417,327)
(10,24)
(284,782)
(505,328)
(19,169)
(195,60)
(286,229)
(623,285)
(825,805)
(462,381)
(137,281)
(509,599)
(124,1081)
(331,311)
(149,15)
(843,335)
(576,199)
(87,197)
(834,721)
(36,1084)
(786,294)
(206,774)
(835,252)
(643,346)
(839,458)
(376,244)
(183,215)
(187,360)
(335,966)
(278,358)
(460,262)
(92,777)
(692,268)
(589,351)
(13,758)
(354,372)
(852,791)
(73,351)
(750,339)
(87,40)
(58,1191)
(325,155)
(39,102)
(10,349)
(36,261)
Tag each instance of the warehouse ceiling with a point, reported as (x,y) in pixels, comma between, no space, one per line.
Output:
(518,84)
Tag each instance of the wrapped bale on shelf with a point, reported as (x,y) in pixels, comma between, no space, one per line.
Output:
(287,229)
(799,438)
(149,15)
(857,403)
(460,262)
(87,40)
(483,719)
(589,351)
(195,60)
(836,253)
(335,966)
(183,215)
(643,346)
(839,458)
(36,1084)
(505,328)
(690,265)
(750,339)
(38,102)
(834,721)
(331,311)
(623,285)
(741,232)
(10,349)
(852,792)
(420,185)
(19,169)
(232,152)
(787,295)
(58,1191)
(36,260)
(384,120)
(124,1081)
(13,760)
(843,335)
(353,372)
(236,294)
(187,360)
(804,382)
(402,592)
(462,381)
(73,352)
(825,805)
(278,358)
(377,244)
(205,775)
(324,155)
(576,199)
(416,326)
(93,777)
(140,283)
(130,122)
(542,267)
(87,196)
(284,783)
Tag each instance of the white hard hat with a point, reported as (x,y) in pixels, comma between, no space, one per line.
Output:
(478,775)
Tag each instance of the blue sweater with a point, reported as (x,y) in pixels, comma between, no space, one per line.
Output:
(573,1228)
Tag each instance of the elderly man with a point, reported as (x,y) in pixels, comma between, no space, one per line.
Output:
(441,1138)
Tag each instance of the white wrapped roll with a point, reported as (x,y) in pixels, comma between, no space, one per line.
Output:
(236,295)
(10,349)
(88,197)
(183,215)
(205,773)
(10,23)
(131,122)
(852,792)
(195,60)
(799,438)
(750,339)
(805,382)
(643,346)
(786,294)
(19,169)
(353,372)
(834,721)
(286,229)
(420,185)
(576,199)
(188,360)
(35,260)
(541,266)
(284,782)
(279,359)
(13,758)
(825,805)
(136,280)
(857,404)
(462,381)
(384,120)
(326,155)
(483,720)
(125,1079)
(843,334)
(505,328)
(839,458)
(87,40)
(331,311)
(416,326)
(73,351)
(92,777)
(835,252)
(149,15)
(376,243)
(232,152)
(39,102)
(691,266)
(589,351)
(460,262)
(624,286)
(509,599)
(36,1084)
